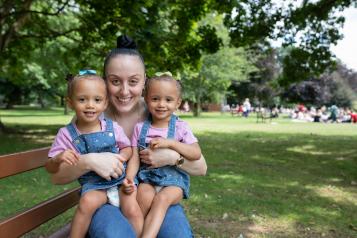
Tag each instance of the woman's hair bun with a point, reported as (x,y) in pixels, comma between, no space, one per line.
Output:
(126,42)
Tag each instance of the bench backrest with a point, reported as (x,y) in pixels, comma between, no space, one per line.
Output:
(25,221)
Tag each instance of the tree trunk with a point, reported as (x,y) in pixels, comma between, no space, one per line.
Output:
(41,102)
(197,108)
(65,109)
(2,128)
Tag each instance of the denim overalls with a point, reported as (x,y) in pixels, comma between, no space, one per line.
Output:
(97,142)
(167,175)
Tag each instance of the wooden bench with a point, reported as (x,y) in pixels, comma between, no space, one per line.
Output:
(22,222)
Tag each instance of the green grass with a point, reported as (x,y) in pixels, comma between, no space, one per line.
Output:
(280,179)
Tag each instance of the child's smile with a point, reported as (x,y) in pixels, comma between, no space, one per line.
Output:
(162,99)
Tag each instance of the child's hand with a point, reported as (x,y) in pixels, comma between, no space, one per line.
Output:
(128,186)
(68,156)
(160,142)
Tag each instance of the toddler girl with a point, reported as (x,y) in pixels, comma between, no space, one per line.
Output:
(90,132)
(161,187)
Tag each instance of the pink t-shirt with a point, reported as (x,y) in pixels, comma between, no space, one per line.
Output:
(63,140)
(183,133)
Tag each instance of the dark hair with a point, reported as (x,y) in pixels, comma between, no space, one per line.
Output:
(125,46)
(163,77)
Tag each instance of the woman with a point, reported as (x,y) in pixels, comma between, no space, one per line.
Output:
(124,72)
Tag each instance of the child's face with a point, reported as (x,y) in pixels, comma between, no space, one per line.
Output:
(162,99)
(89,99)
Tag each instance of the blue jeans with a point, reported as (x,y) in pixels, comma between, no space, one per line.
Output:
(109,222)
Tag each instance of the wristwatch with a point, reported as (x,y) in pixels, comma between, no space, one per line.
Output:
(180,161)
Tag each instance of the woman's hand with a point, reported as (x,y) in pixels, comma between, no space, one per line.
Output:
(107,165)
(158,157)
(161,157)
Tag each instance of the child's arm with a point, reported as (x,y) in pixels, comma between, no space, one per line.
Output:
(126,153)
(189,151)
(131,171)
(68,156)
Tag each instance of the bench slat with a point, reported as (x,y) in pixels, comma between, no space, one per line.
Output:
(26,221)
(24,161)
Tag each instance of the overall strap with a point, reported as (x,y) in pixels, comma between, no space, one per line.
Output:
(144,132)
(172,127)
(72,131)
(109,127)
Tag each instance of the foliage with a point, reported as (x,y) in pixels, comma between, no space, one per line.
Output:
(262,86)
(216,74)
(310,26)
(330,88)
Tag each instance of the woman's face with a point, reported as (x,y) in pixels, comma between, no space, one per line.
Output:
(125,75)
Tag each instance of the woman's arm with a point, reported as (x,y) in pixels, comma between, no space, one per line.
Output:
(188,151)
(162,157)
(107,166)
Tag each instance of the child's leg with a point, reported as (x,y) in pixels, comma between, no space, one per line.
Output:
(88,204)
(131,210)
(146,194)
(162,201)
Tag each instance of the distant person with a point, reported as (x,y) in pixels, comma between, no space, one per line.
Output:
(162,187)
(333,113)
(186,107)
(246,107)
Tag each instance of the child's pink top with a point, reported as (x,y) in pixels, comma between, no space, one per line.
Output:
(63,140)
(183,133)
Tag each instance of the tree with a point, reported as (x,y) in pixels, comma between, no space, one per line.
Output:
(310,26)
(215,75)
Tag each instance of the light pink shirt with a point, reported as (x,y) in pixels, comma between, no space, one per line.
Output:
(63,140)
(183,133)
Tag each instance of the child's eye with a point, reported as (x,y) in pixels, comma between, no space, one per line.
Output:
(81,99)
(98,100)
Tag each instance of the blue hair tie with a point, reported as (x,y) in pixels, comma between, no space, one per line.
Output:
(87,72)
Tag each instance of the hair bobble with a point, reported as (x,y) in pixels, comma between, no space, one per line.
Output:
(167,73)
(87,72)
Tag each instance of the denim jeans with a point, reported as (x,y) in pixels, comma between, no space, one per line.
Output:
(109,222)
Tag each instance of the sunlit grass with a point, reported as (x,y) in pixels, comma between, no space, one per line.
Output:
(279,179)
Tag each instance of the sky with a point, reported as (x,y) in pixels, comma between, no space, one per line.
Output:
(346,49)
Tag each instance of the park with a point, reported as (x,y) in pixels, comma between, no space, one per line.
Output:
(273,108)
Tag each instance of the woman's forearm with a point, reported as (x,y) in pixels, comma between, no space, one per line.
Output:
(67,173)
(162,157)
(195,167)
(107,165)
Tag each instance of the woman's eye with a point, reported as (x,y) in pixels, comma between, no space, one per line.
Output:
(133,82)
(115,82)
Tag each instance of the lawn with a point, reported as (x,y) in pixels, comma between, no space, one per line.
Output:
(279,179)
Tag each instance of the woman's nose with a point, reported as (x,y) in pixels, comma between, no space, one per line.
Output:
(124,88)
